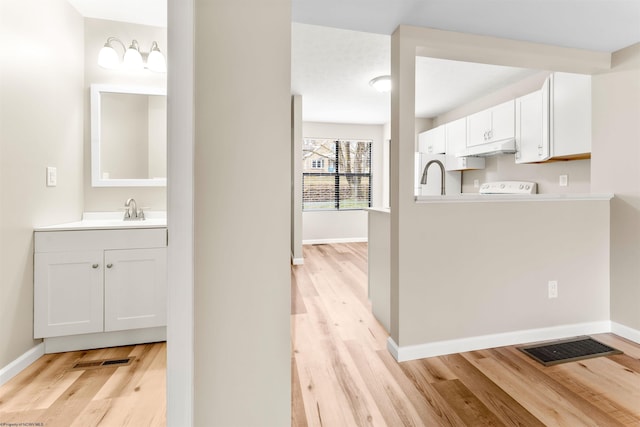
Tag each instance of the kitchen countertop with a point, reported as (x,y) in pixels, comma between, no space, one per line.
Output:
(109,221)
(483,198)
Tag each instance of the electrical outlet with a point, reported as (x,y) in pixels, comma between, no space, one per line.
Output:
(553,289)
(476,183)
(564,180)
(52,176)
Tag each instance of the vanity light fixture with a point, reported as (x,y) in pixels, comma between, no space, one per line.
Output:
(381,83)
(133,58)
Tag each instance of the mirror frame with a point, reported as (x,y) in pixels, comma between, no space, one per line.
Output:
(96,178)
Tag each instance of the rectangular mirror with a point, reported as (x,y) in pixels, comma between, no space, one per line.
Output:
(128,136)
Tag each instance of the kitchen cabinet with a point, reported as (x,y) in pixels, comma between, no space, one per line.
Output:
(456,142)
(432,141)
(555,121)
(95,281)
(491,125)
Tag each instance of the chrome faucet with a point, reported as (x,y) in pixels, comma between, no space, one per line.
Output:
(426,169)
(132,213)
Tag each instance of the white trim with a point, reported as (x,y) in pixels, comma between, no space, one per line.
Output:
(296,261)
(625,332)
(104,339)
(340,240)
(441,348)
(21,363)
(180,214)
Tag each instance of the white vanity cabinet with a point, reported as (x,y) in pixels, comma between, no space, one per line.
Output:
(68,296)
(491,125)
(432,141)
(97,281)
(555,121)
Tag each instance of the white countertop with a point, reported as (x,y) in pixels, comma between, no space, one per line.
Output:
(108,221)
(480,198)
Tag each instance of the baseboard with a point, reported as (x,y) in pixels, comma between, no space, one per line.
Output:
(340,240)
(296,261)
(441,348)
(104,339)
(21,363)
(625,332)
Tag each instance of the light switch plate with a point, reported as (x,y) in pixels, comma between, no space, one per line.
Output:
(52,176)
(564,180)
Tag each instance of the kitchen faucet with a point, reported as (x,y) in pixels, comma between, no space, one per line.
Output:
(426,169)
(131,213)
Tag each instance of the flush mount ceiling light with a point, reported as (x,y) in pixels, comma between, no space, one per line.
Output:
(133,58)
(381,83)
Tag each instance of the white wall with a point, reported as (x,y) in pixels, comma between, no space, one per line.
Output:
(296,184)
(333,226)
(41,114)
(96,32)
(242,260)
(447,290)
(616,153)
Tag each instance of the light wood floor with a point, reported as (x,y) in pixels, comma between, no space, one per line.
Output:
(343,375)
(50,393)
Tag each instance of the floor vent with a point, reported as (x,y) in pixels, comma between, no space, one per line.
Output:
(569,350)
(93,364)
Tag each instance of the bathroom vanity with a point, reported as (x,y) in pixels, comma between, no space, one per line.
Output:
(100,282)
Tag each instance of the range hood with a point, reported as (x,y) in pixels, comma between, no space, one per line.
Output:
(506,146)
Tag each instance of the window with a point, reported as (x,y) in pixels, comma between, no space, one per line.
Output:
(336,174)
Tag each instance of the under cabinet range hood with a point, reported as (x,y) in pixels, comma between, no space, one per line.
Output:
(506,146)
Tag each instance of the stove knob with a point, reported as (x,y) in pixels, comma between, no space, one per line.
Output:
(521,186)
(501,185)
(528,186)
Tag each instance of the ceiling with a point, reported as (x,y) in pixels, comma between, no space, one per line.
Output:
(339,45)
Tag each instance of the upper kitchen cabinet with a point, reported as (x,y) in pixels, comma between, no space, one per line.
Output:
(555,121)
(456,143)
(491,125)
(432,141)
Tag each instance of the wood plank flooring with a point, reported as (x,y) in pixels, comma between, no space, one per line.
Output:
(51,393)
(342,374)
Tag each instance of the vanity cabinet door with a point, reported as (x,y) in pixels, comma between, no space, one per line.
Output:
(135,289)
(68,297)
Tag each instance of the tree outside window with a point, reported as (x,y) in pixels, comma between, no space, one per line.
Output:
(336,174)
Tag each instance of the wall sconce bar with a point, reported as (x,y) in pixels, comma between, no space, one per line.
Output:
(133,58)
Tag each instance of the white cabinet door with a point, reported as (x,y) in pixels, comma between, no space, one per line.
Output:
(456,140)
(491,125)
(135,288)
(571,115)
(478,127)
(432,141)
(502,121)
(68,296)
(532,126)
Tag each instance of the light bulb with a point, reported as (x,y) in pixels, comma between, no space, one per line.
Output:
(381,84)
(132,57)
(156,61)
(108,57)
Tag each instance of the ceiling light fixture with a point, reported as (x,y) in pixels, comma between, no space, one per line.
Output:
(381,83)
(133,58)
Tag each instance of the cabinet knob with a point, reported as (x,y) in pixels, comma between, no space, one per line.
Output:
(109,265)
(94,266)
